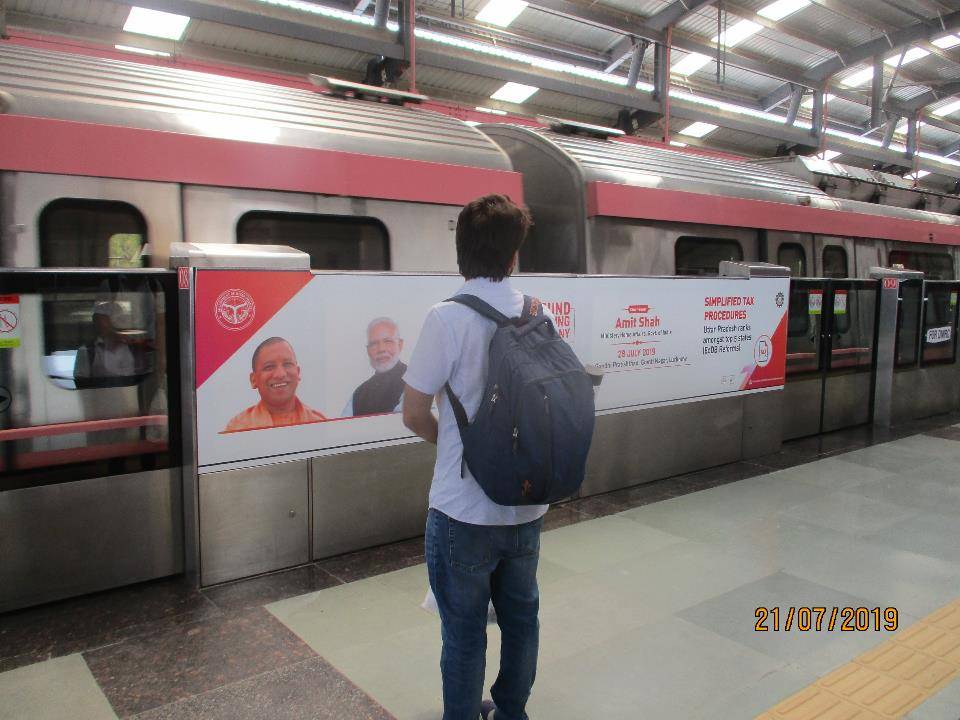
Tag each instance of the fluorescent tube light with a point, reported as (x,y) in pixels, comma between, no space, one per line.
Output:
(909,56)
(142,51)
(947,109)
(501,12)
(690,64)
(738,33)
(808,103)
(156,23)
(918,174)
(490,110)
(471,123)
(698,129)
(778,10)
(858,78)
(677,144)
(947,41)
(514,92)
(828,155)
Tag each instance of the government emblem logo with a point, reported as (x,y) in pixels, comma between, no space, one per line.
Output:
(234,309)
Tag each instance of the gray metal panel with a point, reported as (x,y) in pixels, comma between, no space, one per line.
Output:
(801,408)
(234,256)
(73,87)
(925,391)
(763,423)
(253,521)
(79,537)
(362,499)
(643,445)
(846,401)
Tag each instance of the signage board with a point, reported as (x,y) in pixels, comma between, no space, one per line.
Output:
(9,321)
(322,343)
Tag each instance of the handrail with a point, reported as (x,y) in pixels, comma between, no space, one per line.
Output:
(82,426)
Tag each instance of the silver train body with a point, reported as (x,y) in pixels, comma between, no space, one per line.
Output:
(70,536)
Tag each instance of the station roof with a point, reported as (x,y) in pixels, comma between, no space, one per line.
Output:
(738,67)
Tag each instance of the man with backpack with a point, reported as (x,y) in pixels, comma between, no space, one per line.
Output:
(470,355)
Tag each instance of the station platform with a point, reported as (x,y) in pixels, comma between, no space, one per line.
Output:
(649,608)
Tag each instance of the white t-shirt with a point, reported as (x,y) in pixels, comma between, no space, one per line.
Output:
(453,347)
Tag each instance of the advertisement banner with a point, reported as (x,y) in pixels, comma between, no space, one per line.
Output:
(293,364)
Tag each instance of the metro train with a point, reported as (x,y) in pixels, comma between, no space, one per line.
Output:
(106,163)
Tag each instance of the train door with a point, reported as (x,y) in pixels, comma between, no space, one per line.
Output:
(86,205)
(830,355)
(89,431)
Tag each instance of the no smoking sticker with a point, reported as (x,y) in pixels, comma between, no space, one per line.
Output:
(9,321)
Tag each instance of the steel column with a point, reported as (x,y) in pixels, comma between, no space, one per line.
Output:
(876,93)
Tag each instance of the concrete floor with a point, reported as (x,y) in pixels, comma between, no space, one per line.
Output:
(647,612)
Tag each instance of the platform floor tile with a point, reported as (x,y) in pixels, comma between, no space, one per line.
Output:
(58,689)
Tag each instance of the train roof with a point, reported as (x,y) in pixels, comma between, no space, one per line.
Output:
(66,86)
(634,164)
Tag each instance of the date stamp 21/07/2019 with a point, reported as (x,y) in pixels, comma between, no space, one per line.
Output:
(826,619)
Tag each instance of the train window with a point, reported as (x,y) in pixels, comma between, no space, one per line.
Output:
(908,323)
(854,321)
(933,265)
(834,262)
(939,338)
(77,232)
(333,242)
(112,405)
(702,256)
(793,256)
(803,326)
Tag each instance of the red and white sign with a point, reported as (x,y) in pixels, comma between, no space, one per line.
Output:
(9,321)
(890,283)
(183,278)
(309,341)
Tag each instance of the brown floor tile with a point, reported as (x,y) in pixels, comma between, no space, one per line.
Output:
(374,561)
(597,506)
(84,623)
(560,516)
(257,591)
(308,690)
(149,671)
(720,475)
(945,433)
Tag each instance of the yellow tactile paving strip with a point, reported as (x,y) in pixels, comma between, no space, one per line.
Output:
(886,682)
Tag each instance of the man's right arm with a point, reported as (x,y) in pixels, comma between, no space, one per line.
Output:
(417,415)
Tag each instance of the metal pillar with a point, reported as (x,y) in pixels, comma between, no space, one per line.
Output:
(912,138)
(817,121)
(636,60)
(796,97)
(380,13)
(890,128)
(407,13)
(876,93)
(887,340)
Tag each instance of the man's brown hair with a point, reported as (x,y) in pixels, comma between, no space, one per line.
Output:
(490,230)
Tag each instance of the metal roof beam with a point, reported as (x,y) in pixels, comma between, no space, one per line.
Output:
(795,100)
(876,93)
(361,6)
(949,148)
(675,12)
(938,92)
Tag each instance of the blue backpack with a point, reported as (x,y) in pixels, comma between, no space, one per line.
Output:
(528,443)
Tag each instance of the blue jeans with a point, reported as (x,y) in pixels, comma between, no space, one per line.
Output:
(469,566)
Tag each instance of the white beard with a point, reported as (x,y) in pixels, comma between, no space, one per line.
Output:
(385,367)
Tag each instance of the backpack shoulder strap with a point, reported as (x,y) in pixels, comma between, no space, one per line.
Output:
(481,307)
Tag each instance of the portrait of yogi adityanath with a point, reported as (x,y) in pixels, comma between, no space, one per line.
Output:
(275,375)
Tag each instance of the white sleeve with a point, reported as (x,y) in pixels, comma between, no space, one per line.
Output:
(431,363)
(348,408)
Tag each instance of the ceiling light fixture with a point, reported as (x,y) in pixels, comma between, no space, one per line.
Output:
(156,23)
(698,129)
(501,12)
(947,109)
(514,92)
(690,64)
(808,103)
(677,144)
(490,110)
(142,51)
(947,41)
(909,56)
(918,174)
(778,10)
(858,78)
(738,33)
(828,155)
